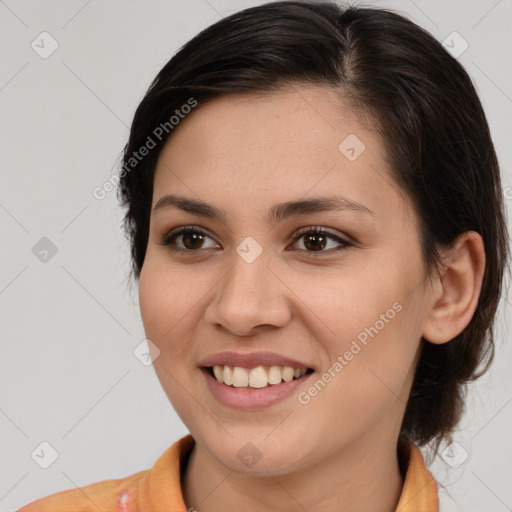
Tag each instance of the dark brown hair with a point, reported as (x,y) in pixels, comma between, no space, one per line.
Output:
(433,128)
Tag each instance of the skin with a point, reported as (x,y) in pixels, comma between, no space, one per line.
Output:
(246,153)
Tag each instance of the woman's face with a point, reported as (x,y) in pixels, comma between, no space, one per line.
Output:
(348,303)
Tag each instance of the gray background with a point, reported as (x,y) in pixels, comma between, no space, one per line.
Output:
(70,324)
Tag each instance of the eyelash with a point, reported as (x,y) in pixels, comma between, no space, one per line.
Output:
(167,240)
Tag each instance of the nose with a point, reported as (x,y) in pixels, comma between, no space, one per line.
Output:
(249,298)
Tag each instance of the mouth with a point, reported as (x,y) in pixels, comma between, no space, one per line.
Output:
(255,378)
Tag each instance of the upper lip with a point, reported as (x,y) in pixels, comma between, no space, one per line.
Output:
(251,360)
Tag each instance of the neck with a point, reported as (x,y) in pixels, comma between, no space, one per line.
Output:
(360,477)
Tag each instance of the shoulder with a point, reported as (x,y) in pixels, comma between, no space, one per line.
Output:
(105,495)
(142,491)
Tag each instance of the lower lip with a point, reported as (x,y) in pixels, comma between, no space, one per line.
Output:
(252,398)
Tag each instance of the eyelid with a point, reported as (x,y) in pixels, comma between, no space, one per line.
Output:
(179,230)
(344,242)
(322,230)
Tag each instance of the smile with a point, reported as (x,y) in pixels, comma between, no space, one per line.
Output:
(254,388)
(258,377)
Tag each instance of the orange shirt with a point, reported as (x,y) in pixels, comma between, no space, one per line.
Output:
(159,489)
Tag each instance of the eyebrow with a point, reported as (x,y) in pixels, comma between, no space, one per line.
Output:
(277,213)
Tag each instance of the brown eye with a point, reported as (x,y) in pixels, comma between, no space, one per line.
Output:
(186,239)
(192,239)
(315,240)
(189,240)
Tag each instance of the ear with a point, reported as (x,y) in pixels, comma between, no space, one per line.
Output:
(457,289)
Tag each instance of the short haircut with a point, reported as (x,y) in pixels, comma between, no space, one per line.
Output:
(428,115)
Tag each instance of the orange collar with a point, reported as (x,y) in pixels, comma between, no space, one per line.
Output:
(419,493)
(162,483)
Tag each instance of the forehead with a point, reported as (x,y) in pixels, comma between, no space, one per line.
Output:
(276,147)
(307,117)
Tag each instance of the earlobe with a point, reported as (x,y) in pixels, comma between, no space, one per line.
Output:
(457,288)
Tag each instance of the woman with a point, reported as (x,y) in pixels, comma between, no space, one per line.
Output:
(317,229)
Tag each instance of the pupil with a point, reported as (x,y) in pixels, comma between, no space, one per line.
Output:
(196,239)
(193,240)
(319,244)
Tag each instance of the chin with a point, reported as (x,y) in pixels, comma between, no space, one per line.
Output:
(257,456)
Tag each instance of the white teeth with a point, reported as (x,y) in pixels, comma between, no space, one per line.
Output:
(255,377)
(227,375)
(240,377)
(258,377)
(287,373)
(217,370)
(275,374)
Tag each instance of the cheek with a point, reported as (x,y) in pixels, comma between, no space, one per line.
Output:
(167,316)
(171,303)
(373,350)
(161,307)
(373,337)
(166,296)
(368,378)
(155,303)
